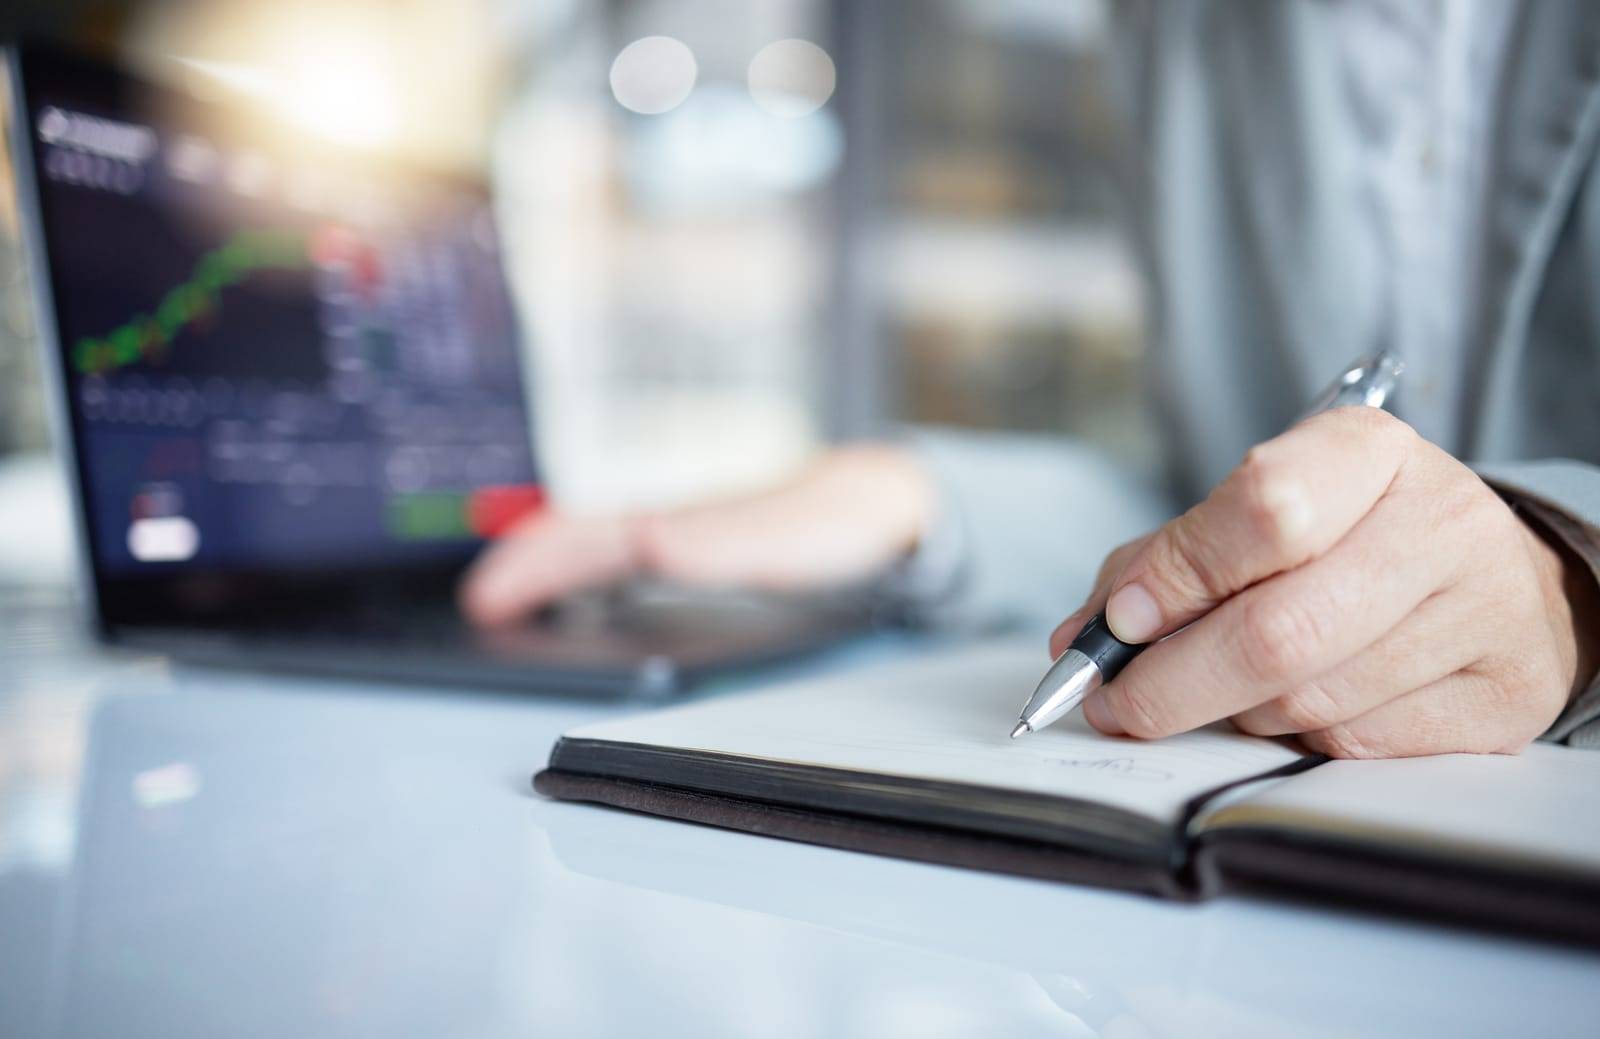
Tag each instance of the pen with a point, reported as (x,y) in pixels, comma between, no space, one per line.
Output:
(1096,656)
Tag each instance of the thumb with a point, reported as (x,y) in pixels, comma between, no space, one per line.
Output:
(1068,629)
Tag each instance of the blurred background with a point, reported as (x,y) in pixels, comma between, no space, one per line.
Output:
(739,229)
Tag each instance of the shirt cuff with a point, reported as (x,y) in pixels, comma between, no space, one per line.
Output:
(1579,724)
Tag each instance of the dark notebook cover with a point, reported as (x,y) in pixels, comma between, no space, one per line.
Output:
(906,759)
(1260,862)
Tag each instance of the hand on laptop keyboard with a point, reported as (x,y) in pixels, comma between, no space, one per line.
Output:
(848,516)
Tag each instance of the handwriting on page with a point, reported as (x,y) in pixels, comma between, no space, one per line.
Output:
(936,719)
(1125,768)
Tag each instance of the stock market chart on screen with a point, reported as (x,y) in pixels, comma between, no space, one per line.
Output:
(274,358)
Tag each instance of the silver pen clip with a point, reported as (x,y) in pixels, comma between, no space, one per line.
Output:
(1369,381)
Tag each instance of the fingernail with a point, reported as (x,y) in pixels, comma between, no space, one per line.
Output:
(486,592)
(1133,615)
(1100,716)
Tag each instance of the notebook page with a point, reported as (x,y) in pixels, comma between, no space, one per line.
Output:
(945,716)
(1537,807)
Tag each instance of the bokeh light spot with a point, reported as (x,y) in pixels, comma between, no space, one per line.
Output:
(653,75)
(791,78)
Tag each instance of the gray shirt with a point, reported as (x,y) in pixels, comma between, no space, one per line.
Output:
(1308,180)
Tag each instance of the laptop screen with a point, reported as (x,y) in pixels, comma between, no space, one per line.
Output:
(275,357)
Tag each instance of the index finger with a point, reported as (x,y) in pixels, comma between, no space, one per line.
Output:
(1277,635)
(548,556)
(1291,500)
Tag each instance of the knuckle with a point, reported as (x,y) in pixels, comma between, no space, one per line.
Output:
(1180,568)
(1257,462)
(1386,441)
(1273,504)
(1515,681)
(1277,640)
(1258,466)
(1308,708)
(1466,520)
(1253,478)
(1467,504)
(1337,741)
(1517,697)
(1464,526)
(1140,711)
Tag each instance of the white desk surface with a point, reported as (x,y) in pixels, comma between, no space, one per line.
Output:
(206,854)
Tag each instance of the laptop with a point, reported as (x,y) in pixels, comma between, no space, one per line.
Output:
(288,384)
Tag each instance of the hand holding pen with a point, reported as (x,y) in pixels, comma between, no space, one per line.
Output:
(1349,582)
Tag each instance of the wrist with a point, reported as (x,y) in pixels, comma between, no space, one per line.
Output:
(1574,597)
(897,483)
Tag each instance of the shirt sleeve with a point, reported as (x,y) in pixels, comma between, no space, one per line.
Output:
(1022,527)
(1565,497)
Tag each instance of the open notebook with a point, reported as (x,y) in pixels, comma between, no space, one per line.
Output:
(912,758)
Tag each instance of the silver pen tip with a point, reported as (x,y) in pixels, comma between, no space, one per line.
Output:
(1021,728)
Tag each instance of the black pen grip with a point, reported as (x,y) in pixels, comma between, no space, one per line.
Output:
(1109,653)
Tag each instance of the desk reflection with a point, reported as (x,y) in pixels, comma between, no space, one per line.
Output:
(271,857)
